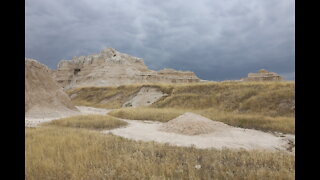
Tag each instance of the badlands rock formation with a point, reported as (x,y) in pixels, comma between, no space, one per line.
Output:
(263,75)
(43,96)
(112,68)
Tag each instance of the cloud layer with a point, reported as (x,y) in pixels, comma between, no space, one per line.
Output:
(218,40)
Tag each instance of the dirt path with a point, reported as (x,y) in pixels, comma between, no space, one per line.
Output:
(84,110)
(231,137)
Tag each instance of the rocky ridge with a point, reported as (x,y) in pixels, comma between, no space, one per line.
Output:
(112,68)
(263,75)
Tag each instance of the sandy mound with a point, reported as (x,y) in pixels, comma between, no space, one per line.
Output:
(192,124)
(43,96)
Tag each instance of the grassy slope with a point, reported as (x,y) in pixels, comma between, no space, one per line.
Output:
(93,96)
(259,105)
(88,122)
(244,97)
(67,153)
(266,98)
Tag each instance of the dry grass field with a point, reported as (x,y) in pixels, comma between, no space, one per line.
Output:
(78,154)
(74,148)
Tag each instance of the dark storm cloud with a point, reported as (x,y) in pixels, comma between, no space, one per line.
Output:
(218,40)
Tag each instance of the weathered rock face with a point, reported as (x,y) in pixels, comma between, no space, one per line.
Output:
(43,96)
(112,68)
(263,75)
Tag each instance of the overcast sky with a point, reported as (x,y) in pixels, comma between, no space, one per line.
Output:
(216,39)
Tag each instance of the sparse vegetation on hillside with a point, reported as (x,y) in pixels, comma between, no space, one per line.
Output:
(108,97)
(265,98)
(76,154)
(88,122)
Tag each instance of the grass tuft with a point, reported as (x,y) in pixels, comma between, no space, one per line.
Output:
(143,113)
(89,122)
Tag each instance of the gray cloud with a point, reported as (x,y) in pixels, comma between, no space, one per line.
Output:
(218,40)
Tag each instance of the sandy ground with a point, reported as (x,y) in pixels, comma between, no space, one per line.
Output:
(230,137)
(84,110)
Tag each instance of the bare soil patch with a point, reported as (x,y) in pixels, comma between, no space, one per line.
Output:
(145,97)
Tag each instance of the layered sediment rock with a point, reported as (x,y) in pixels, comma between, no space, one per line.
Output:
(43,96)
(112,68)
(263,75)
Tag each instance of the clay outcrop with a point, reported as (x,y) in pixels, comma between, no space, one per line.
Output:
(112,68)
(263,75)
(43,96)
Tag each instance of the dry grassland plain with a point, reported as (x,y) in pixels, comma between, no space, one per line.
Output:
(76,154)
(73,148)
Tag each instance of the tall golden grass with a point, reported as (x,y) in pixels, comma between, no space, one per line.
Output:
(80,154)
(88,122)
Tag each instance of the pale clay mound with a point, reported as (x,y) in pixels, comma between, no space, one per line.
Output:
(44,98)
(145,97)
(192,124)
